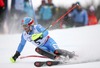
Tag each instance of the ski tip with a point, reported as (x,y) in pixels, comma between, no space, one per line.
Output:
(51,63)
(39,64)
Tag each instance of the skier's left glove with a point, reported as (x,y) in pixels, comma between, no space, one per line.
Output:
(16,55)
(37,36)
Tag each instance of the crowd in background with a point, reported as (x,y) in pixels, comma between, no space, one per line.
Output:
(47,13)
(81,17)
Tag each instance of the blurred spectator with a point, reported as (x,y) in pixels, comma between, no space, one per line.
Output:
(3,8)
(52,6)
(19,9)
(97,11)
(79,16)
(68,21)
(46,10)
(12,6)
(2,3)
(28,8)
(42,4)
(16,13)
(92,19)
(19,5)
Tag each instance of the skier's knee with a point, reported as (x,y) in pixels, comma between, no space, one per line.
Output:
(38,50)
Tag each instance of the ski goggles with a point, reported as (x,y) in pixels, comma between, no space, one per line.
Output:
(25,27)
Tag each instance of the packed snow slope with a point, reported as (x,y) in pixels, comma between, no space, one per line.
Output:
(85,41)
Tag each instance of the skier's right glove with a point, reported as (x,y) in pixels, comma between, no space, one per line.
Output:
(16,55)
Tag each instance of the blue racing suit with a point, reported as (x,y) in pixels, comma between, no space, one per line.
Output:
(46,43)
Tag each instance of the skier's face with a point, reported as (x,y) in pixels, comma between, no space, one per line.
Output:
(26,28)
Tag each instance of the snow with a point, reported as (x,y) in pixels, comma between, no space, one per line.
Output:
(83,40)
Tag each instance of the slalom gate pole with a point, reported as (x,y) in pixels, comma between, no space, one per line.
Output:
(34,13)
(62,16)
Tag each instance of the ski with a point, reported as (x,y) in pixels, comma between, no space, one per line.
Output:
(53,63)
(70,62)
(46,63)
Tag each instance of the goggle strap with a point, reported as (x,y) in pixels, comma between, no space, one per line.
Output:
(31,22)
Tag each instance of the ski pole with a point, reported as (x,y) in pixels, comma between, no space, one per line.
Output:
(35,36)
(34,12)
(22,57)
(62,16)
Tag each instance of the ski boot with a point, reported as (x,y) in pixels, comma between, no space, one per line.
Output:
(64,55)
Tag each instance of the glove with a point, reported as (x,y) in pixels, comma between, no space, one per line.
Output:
(13,59)
(37,36)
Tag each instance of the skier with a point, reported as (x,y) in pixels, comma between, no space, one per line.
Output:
(38,35)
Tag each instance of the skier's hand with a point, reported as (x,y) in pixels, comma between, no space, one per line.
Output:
(37,36)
